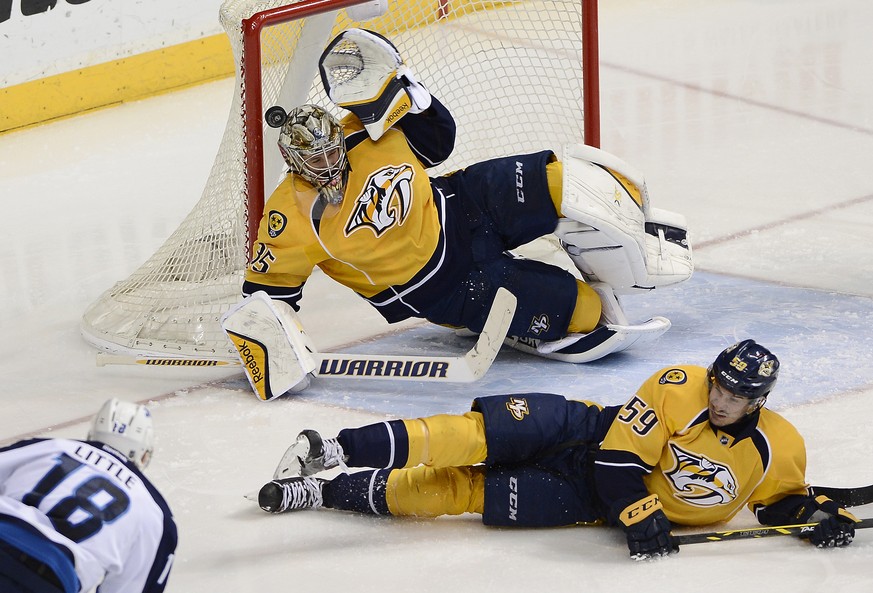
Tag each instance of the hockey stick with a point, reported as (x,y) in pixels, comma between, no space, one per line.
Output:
(105,358)
(458,369)
(756,532)
(846,497)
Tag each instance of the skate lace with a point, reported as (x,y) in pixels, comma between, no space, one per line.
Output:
(299,494)
(334,455)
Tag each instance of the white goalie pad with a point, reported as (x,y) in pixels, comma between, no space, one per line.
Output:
(363,72)
(611,232)
(668,251)
(275,352)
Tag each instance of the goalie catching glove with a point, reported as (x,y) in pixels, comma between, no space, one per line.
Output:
(363,72)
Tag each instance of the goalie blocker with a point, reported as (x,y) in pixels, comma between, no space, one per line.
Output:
(275,352)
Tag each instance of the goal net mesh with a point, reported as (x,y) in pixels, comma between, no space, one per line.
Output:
(510,73)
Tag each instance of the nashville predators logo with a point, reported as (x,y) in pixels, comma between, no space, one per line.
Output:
(517,406)
(767,367)
(539,325)
(699,481)
(384,201)
(277,222)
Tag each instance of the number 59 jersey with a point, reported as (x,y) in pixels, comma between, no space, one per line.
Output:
(88,498)
(661,442)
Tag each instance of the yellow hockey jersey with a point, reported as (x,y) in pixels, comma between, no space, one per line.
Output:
(661,442)
(387,229)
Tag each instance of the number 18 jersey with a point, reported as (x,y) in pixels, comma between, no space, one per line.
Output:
(88,498)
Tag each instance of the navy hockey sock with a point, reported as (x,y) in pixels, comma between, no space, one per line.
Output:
(361,492)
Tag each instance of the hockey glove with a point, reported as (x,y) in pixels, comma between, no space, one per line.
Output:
(647,529)
(836,525)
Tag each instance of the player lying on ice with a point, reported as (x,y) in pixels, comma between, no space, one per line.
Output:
(80,515)
(692,447)
(358,203)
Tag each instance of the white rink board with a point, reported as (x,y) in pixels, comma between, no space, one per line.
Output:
(71,37)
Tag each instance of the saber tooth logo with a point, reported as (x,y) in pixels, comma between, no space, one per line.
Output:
(385,200)
(699,481)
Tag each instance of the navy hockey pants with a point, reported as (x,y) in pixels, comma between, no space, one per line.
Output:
(539,460)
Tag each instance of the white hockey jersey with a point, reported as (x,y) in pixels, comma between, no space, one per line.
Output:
(91,500)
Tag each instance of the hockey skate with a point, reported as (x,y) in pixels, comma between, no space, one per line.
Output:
(309,455)
(291,494)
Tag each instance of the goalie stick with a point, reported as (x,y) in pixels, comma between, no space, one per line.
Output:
(458,369)
(756,532)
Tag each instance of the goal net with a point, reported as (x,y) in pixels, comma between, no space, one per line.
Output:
(518,76)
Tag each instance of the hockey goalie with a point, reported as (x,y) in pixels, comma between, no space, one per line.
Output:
(357,202)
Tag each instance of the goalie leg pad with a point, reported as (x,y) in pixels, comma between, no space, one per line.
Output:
(668,250)
(275,353)
(598,257)
(611,232)
(608,211)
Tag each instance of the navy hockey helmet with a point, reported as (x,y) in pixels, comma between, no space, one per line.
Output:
(746,369)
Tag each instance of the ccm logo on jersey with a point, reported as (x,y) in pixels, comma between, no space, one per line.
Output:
(384,201)
(699,481)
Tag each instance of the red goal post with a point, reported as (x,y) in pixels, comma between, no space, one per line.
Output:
(252,79)
(517,75)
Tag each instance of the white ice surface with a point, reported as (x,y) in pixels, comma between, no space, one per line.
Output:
(752,118)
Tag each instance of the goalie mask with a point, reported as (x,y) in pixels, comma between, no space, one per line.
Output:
(127,428)
(313,144)
(746,369)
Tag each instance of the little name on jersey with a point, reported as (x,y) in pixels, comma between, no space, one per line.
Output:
(384,368)
(108,464)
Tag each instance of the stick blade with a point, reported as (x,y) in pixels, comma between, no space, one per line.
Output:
(480,358)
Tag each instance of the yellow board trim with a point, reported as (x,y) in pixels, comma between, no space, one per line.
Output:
(155,72)
(128,79)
